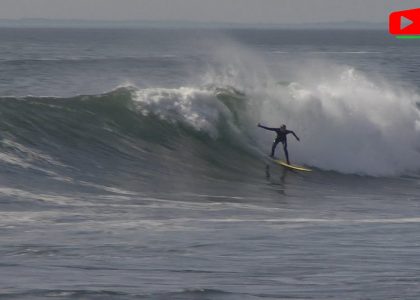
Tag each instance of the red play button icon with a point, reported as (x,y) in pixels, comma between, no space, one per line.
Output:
(405,22)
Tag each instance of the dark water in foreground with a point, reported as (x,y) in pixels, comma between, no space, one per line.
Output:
(131,166)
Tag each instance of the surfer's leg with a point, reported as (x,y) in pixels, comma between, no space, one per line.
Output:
(286,153)
(273,148)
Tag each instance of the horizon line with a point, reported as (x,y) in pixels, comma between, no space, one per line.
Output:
(341,24)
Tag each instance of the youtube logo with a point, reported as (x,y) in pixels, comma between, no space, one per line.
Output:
(405,22)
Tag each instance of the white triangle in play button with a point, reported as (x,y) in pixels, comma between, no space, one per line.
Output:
(405,22)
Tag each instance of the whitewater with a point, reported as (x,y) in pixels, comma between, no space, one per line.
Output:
(132,167)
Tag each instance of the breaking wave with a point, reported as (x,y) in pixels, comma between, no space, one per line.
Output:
(348,123)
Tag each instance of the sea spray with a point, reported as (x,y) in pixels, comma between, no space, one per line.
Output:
(348,122)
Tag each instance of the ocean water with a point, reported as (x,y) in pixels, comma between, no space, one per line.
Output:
(131,166)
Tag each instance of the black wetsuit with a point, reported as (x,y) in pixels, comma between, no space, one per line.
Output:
(281,137)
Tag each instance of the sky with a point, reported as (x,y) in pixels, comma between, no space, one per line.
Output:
(231,11)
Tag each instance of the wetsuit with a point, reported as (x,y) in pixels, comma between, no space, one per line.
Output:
(281,137)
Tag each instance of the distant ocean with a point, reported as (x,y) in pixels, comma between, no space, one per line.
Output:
(131,166)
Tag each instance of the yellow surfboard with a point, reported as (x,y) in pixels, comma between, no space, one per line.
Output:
(297,168)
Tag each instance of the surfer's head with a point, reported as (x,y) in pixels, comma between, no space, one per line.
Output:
(283,127)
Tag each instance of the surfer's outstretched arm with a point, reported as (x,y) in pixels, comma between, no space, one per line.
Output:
(292,132)
(265,127)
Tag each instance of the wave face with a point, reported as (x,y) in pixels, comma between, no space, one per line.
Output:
(348,123)
(126,134)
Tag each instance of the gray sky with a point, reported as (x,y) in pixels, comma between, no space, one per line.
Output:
(242,11)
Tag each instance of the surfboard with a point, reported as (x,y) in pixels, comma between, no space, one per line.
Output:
(297,168)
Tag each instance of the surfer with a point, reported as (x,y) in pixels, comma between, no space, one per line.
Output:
(282,133)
